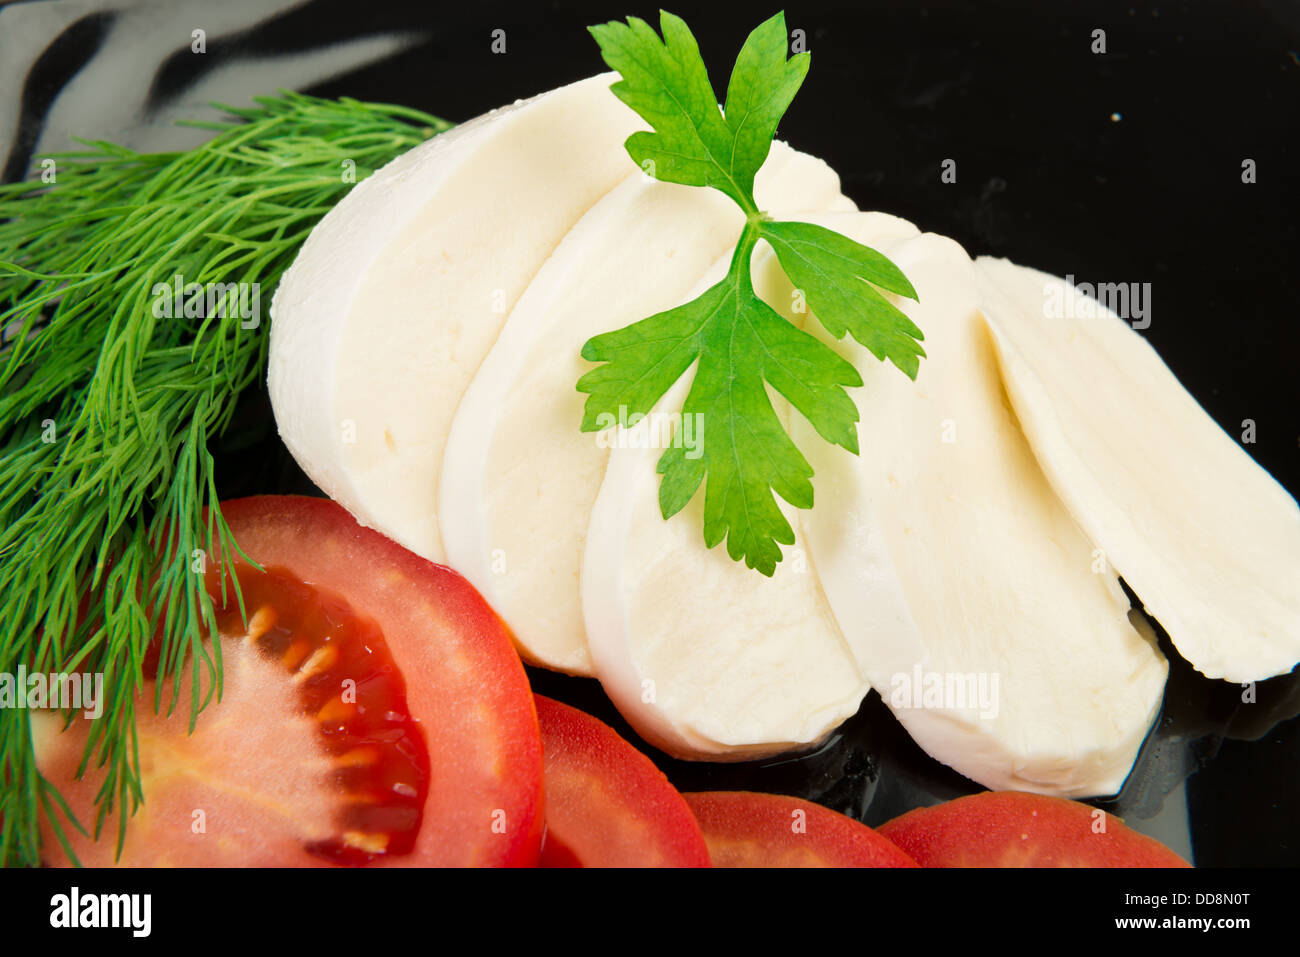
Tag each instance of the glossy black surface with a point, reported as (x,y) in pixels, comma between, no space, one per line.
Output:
(1122,167)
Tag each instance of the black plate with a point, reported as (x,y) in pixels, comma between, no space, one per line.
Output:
(1115,167)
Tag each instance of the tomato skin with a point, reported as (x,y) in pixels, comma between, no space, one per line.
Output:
(464,684)
(747,829)
(607,803)
(1018,829)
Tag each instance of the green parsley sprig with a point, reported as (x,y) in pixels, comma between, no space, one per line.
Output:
(738,343)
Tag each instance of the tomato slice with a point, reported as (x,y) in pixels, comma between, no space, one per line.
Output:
(373,712)
(744,829)
(1015,829)
(607,805)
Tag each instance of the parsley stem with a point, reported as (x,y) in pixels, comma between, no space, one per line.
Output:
(738,274)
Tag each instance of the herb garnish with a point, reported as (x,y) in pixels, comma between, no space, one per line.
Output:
(107,406)
(741,344)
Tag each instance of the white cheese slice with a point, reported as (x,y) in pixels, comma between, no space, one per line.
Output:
(402,288)
(706,658)
(1208,540)
(518,477)
(966,592)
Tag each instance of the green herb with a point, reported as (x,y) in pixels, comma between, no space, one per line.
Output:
(107,407)
(740,343)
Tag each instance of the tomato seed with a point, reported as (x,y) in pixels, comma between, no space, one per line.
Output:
(347,680)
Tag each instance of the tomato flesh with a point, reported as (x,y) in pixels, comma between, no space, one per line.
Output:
(1017,829)
(745,829)
(607,805)
(436,761)
(347,681)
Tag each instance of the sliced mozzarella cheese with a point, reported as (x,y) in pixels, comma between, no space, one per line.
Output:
(518,477)
(703,656)
(1205,537)
(401,289)
(968,596)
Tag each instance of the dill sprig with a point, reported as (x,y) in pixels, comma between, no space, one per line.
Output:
(108,503)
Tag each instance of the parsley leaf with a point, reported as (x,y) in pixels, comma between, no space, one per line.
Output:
(762,85)
(738,344)
(667,84)
(835,273)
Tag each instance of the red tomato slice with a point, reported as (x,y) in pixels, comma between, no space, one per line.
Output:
(373,712)
(607,805)
(1015,829)
(744,829)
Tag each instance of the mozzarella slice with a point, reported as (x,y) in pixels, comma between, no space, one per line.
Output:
(519,478)
(968,596)
(704,657)
(401,289)
(1205,537)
